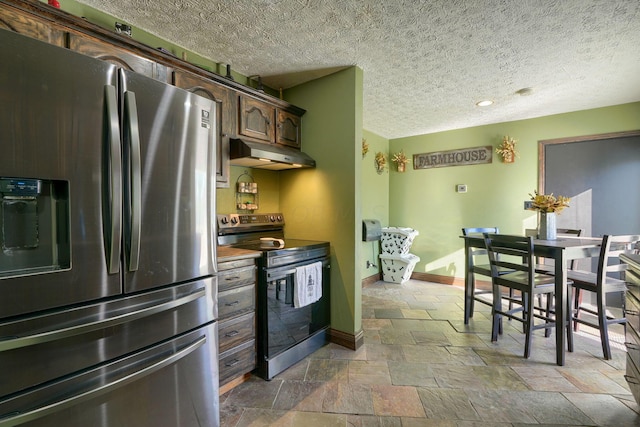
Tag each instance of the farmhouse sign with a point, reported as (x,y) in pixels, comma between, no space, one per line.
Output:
(465,156)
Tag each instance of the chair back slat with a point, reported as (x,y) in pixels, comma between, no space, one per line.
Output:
(518,249)
(478,230)
(612,247)
(569,232)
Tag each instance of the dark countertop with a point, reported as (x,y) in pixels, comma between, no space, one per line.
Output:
(226,253)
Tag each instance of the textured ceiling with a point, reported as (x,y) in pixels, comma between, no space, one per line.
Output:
(426,63)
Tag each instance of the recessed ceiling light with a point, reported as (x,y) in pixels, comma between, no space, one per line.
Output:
(484,103)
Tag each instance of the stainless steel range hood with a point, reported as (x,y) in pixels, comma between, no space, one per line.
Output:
(267,156)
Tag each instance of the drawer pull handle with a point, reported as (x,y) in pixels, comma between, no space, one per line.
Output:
(631,346)
(231,304)
(631,380)
(232,278)
(231,334)
(232,363)
(632,312)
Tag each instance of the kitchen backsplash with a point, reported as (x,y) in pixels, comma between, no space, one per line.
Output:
(268,196)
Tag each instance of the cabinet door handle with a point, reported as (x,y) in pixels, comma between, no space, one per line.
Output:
(231,334)
(631,380)
(631,345)
(232,363)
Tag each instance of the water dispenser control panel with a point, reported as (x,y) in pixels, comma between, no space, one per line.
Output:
(20,187)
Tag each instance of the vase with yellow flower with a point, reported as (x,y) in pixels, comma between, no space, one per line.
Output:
(380,161)
(548,206)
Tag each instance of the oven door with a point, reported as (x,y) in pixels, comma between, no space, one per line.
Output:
(282,326)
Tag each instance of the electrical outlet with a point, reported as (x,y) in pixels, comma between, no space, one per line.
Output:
(461,188)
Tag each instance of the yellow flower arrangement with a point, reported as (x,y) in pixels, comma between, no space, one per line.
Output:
(507,149)
(365,147)
(380,161)
(548,202)
(400,158)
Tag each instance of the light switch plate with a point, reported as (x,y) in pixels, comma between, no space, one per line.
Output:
(461,188)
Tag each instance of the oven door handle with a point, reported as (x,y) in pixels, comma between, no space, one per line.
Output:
(281,273)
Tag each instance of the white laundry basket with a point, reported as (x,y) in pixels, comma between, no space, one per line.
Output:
(397,240)
(397,268)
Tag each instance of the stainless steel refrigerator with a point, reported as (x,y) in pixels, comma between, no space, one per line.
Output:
(108,291)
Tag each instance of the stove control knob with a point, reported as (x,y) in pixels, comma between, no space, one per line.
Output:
(272,218)
(224,220)
(234,220)
(280,218)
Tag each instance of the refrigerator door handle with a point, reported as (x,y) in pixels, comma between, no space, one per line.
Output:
(137,374)
(83,326)
(131,114)
(114,231)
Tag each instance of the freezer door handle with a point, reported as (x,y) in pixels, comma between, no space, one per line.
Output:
(83,326)
(135,174)
(47,409)
(114,202)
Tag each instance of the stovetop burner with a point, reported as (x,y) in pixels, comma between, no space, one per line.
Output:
(265,233)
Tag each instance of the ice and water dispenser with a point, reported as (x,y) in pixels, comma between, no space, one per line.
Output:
(34,226)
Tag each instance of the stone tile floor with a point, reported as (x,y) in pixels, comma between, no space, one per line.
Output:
(421,366)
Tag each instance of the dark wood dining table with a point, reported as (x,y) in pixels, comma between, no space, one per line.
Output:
(562,250)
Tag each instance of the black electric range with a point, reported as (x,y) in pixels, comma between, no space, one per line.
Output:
(286,334)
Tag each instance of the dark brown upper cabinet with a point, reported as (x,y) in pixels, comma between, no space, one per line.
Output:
(288,129)
(257,119)
(225,99)
(119,56)
(20,22)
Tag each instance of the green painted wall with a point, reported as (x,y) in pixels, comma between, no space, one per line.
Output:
(374,192)
(426,199)
(325,203)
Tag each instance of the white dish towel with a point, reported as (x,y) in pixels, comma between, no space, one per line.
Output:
(308,285)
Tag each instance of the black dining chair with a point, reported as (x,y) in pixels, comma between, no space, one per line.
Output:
(601,283)
(544,265)
(479,265)
(516,253)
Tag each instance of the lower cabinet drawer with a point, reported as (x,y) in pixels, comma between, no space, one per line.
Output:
(235,331)
(235,301)
(237,361)
(632,312)
(633,379)
(236,277)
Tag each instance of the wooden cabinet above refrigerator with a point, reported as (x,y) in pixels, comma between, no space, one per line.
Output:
(227,106)
(244,111)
